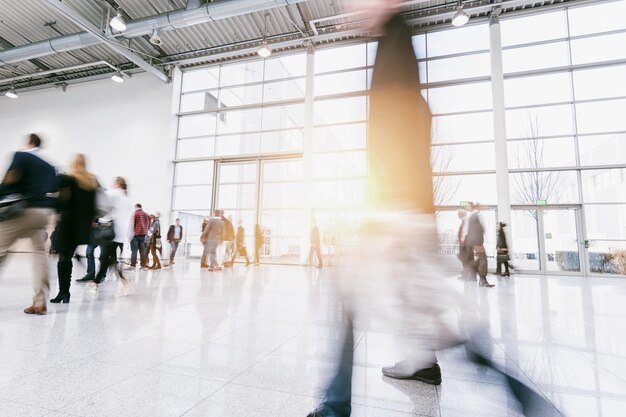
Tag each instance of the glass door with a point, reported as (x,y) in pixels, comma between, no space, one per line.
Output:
(560,240)
(547,240)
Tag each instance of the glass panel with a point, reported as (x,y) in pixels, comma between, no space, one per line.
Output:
(236,196)
(459,68)
(603,116)
(205,100)
(600,83)
(346,110)
(283,250)
(466,157)
(238,144)
(282,195)
(337,138)
(554,187)
(245,73)
(282,171)
(372,48)
(561,240)
(282,141)
(542,153)
(200,79)
(196,148)
(193,197)
(598,48)
(188,173)
(283,222)
(339,193)
(287,66)
(602,150)
(525,240)
(607,257)
(607,221)
(539,121)
(455,41)
(463,128)
(455,189)
(344,164)
(236,121)
(344,82)
(283,117)
(543,89)
(238,173)
(459,98)
(196,125)
(240,96)
(597,18)
(535,57)
(544,26)
(604,186)
(284,90)
(346,57)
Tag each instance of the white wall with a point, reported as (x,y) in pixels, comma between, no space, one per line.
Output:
(124,129)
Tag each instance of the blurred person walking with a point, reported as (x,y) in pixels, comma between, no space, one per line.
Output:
(227,248)
(174,236)
(502,252)
(397,271)
(211,238)
(205,253)
(77,208)
(139,225)
(120,208)
(259,240)
(315,248)
(155,241)
(240,247)
(460,237)
(32,178)
(475,241)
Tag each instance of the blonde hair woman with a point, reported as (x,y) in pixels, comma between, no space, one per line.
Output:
(77,208)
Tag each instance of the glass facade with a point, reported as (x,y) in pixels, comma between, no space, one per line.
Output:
(564,104)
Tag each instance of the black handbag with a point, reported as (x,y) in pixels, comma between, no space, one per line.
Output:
(103,233)
(12,206)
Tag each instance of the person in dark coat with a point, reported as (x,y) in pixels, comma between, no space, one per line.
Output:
(475,241)
(502,250)
(77,208)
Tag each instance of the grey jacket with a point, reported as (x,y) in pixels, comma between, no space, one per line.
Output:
(213,230)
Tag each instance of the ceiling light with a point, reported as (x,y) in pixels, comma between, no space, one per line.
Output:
(118,22)
(155,39)
(460,17)
(118,77)
(264,51)
(11,93)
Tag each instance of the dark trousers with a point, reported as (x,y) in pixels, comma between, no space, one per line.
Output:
(315,249)
(108,258)
(64,268)
(138,244)
(173,249)
(337,400)
(91,260)
(469,262)
(499,264)
(480,264)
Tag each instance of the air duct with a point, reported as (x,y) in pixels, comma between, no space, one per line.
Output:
(176,19)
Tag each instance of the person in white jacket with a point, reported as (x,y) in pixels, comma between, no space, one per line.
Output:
(119,214)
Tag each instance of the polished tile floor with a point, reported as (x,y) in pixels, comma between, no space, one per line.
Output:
(261,341)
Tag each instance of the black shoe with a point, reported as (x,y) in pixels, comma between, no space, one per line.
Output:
(86,278)
(319,412)
(430,376)
(63,298)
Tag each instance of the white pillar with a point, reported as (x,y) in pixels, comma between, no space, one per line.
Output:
(499,120)
(307,154)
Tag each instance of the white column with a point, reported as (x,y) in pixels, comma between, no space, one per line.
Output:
(499,120)
(307,155)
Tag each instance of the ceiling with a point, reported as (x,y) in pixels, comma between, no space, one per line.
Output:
(288,27)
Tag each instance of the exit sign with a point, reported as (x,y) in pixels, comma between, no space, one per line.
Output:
(542,202)
(465,203)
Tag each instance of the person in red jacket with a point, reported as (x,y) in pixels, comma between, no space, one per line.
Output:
(140,223)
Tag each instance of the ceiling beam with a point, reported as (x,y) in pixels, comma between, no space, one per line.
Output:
(114,45)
